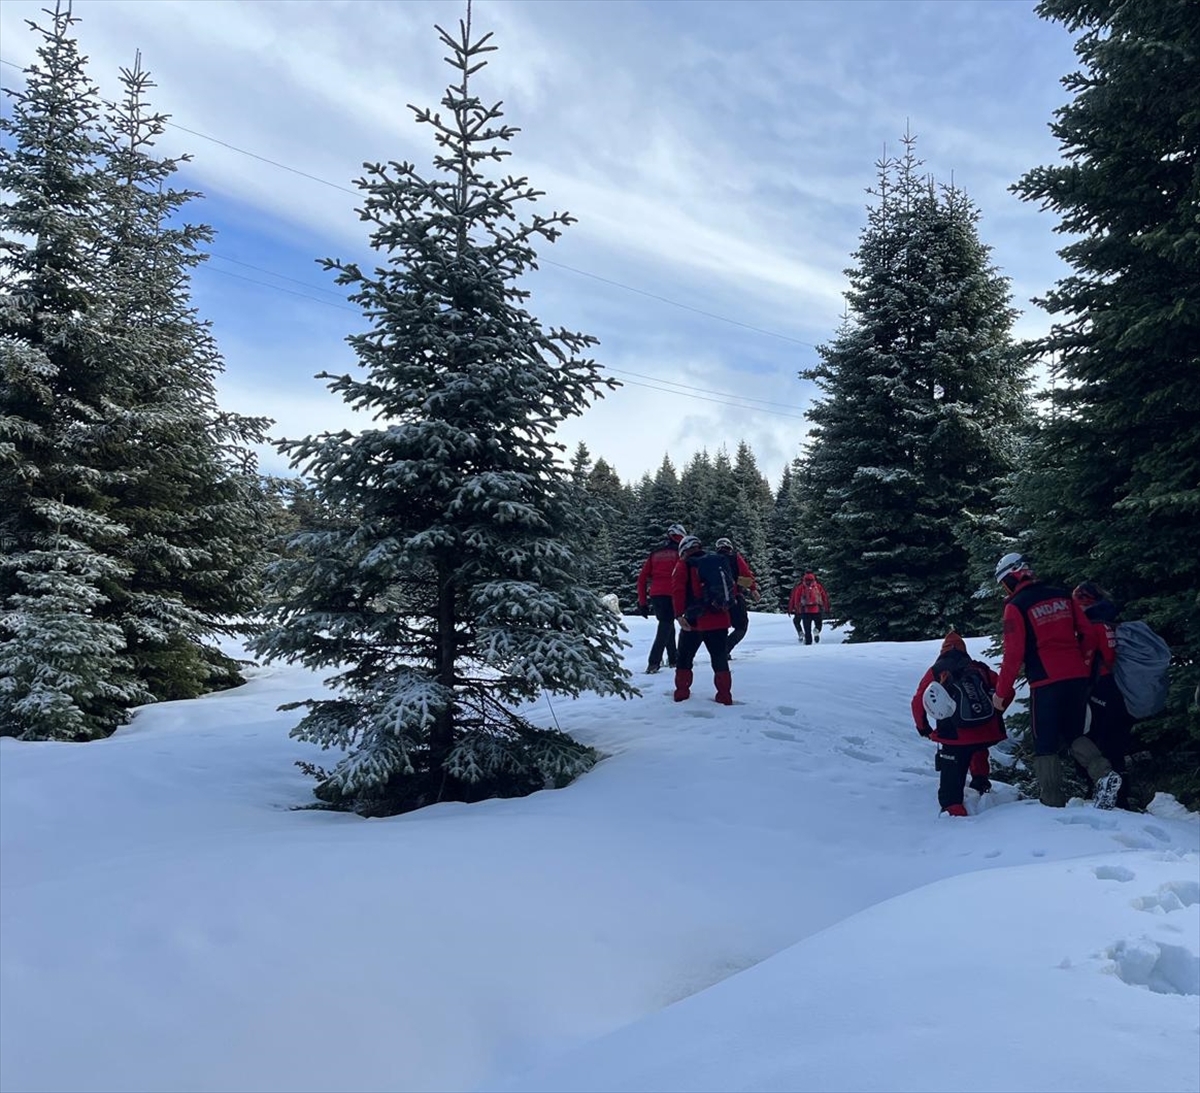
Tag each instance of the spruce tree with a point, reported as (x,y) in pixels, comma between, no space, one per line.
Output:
(912,436)
(185,486)
(696,495)
(1112,489)
(64,672)
(785,527)
(461,592)
(614,502)
(750,528)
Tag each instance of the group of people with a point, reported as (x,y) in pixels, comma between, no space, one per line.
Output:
(1065,644)
(679,582)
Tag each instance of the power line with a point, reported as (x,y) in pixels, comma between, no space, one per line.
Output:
(541,260)
(686,389)
(721,397)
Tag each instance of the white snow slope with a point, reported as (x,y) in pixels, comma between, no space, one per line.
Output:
(755,897)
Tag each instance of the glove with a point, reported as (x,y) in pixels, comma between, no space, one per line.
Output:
(924,730)
(644,610)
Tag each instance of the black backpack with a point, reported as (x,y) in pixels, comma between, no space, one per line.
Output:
(967,685)
(716,584)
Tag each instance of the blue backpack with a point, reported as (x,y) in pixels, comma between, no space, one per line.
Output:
(716,584)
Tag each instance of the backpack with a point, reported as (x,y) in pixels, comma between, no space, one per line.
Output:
(1141,669)
(716,585)
(968,688)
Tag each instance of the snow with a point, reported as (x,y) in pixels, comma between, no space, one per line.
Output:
(758,897)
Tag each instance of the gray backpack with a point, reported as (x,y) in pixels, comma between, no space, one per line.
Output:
(1141,668)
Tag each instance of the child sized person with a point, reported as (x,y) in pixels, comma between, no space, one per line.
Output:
(962,747)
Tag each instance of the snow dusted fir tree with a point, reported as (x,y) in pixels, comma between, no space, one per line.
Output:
(461,589)
(188,493)
(917,424)
(64,671)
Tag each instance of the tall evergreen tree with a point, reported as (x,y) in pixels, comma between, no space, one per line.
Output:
(913,434)
(749,530)
(64,673)
(614,502)
(1112,490)
(185,486)
(696,496)
(460,592)
(784,530)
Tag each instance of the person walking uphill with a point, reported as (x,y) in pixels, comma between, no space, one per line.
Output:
(1110,724)
(703,589)
(1046,631)
(654,594)
(956,692)
(744,585)
(808,605)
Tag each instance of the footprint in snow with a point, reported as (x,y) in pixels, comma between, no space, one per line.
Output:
(778,734)
(1163,969)
(1173,896)
(861,756)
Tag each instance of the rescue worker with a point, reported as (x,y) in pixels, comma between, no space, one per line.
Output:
(699,622)
(1047,635)
(808,605)
(654,594)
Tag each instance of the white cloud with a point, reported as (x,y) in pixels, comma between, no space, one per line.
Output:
(714,154)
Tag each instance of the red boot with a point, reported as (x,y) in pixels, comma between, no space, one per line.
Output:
(724,680)
(683,684)
(955,810)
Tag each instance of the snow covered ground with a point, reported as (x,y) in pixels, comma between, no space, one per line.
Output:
(759,897)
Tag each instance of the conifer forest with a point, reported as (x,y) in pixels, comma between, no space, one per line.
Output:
(450,559)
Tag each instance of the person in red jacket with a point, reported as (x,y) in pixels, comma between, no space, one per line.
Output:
(654,594)
(808,605)
(1047,634)
(1110,724)
(962,744)
(746,585)
(700,623)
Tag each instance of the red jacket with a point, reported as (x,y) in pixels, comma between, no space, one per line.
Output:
(744,571)
(655,577)
(991,732)
(687,589)
(1045,631)
(1102,643)
(808,599)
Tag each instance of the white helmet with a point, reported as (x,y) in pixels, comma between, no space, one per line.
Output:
(1010,563)
(676,532)
(689,543)
(937,702)
(724,545)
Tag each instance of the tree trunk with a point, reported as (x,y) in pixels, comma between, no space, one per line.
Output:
(441,736)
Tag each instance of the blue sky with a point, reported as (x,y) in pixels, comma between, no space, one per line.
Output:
(715,154)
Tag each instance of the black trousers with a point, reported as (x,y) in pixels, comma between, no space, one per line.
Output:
(1056,712)
(953,763)
(713,640)
(1111,729)
(739,614)
(804,625)
(664,641)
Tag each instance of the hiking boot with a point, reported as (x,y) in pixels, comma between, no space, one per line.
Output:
(1107,789)
(817,638)
(683,684)
(652,668)
(981,785)
(724,681)
(955,810)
